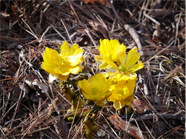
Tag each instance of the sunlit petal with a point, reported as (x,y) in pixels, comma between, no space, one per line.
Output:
(109,53)
(64,49)
(75,70)
(133,57)
(118,49)
(96,89)
(103,65)
(121,56)
(122,90)
(73,48)
(117,104)
(137,66)
(129,99)
(110,62)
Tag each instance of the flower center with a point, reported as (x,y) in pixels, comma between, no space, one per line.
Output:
(94,90)
(122,68)
(120,92)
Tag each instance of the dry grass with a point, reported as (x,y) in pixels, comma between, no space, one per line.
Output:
(33,108)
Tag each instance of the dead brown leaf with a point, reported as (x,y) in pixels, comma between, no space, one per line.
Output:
(125,126)
(99,28)
(105,2)
(139,105)
(63,127)
(35,84)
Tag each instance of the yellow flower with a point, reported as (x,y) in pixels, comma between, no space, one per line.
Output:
(123,93)
(109,49)
(96,89)
(63,64)
(128,65)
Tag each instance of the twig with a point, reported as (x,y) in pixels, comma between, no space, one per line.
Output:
(170,131)
(41,39)
(58,33)
(88,33)
(160,115)
(160,52)
(18,103)
(152,19)
(74,118)
(147,129)
(66,30)
(32,33)
(110,126)
(135,36)
(176,70)
(177,24)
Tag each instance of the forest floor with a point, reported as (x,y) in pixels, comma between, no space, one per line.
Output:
(30,107)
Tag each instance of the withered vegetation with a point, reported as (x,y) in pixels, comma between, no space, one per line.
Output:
(30,107)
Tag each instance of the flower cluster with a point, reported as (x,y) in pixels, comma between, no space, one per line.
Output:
(121,68)
(116,84)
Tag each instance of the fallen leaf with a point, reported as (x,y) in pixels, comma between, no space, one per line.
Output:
(125,126)
(99,28)
(14,94)
(63,127)
(139,105)
(105,2)
(35,84)
(82,40)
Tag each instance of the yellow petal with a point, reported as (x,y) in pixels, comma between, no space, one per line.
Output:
(61,77)
(122,57)
(88,96)
(73,48)
(124,77)
(63,70)
(76,59)
(117,104)
(75,69)
(123,103)
(126,93)
(104,65)
(133,57)
(50,55)
(100,102)
(85,86)
(131,85)
(110,62)
(116,77)
(97,89)
(117,49)
(64,50)
(114,43)
(105,47)
(137,66)
(129,99)
(48,68)
(94,81)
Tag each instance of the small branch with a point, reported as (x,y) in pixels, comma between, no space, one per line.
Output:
(152,19)
(166,116)
(135,36)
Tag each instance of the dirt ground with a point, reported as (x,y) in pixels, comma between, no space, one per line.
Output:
(30,107)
